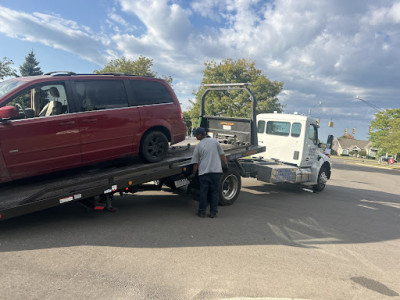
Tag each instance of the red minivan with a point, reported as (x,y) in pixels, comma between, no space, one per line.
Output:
(64,120)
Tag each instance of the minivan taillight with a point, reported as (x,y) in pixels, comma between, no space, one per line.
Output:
(180,112)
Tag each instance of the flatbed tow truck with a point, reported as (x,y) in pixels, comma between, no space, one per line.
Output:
(95,186)
(291,155)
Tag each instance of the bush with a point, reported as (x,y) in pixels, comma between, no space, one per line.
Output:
(362,153)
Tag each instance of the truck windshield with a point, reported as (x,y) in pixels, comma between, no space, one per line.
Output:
(9,85)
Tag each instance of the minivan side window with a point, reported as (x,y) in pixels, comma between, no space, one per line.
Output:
(100,94)
(147,92)
(41,101)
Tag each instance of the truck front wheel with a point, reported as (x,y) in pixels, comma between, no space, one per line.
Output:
(321,180)
(229,187)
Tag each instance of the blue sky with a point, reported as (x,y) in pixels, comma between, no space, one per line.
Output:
(326,52)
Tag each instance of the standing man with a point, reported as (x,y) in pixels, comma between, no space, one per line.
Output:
(209,159)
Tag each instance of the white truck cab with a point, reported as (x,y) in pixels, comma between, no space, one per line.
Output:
(293,152)
(289,138)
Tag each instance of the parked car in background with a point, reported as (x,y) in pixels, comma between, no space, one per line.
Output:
(64,120)
(388,159)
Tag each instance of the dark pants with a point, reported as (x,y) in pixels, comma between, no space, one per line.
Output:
(209,186)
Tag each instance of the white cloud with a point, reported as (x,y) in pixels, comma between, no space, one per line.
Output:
(381,15)
(394,13)
(52,31)
(325,51)
(168,26)
(118,23)
(208,8)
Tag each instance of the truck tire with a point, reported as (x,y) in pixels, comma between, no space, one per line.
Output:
(321,180)
(230,185)
(154,146)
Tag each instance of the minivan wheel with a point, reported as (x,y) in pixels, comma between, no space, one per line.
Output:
(154,147)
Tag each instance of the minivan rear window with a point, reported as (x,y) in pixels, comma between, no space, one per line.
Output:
(101,94)
(147,92)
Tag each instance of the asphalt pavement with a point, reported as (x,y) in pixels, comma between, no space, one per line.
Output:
(275,242)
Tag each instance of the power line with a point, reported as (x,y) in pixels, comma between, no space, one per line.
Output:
(369,104)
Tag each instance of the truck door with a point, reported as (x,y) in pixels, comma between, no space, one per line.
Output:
(282,138)
(44,137)
(310,152)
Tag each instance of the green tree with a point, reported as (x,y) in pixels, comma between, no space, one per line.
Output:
(31,66)
(362,153)
(385,133)
(347,136)
(236,103)
(141,67)
(188,121)
(5,68)
(352,152)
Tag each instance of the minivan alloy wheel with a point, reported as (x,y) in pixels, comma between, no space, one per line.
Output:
(154,147)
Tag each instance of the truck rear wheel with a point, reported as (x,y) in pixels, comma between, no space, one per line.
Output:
(154,146)
(321,180)
(229,187)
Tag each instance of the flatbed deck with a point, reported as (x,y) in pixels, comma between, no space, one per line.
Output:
(32,194)
(238,136)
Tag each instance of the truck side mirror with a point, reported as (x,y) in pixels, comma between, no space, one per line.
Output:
(329,142)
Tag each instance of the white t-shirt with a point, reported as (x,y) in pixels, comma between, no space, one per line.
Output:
(208,155)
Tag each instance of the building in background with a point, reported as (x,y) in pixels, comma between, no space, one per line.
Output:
(346,147)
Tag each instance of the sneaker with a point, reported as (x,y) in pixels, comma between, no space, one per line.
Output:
(201,215)
(212,215)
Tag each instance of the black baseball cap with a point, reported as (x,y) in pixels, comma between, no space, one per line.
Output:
(199,130)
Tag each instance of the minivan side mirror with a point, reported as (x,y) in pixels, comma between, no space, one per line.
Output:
(8,112)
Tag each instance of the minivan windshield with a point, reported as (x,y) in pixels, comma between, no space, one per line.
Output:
(9,85)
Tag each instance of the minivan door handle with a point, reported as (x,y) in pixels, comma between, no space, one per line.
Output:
(67,123)
(90,120)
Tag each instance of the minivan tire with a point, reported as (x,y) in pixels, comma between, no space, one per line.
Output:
(154,146)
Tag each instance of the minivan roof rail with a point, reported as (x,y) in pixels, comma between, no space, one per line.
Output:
(122,74)
(116,74)
(60,73)
(68,73)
